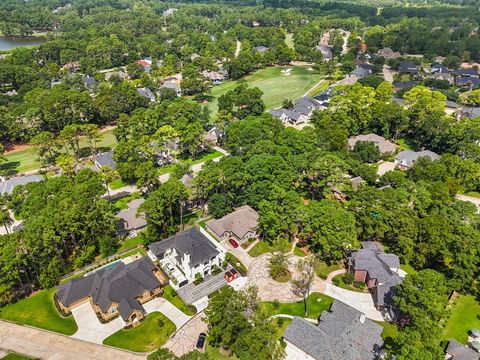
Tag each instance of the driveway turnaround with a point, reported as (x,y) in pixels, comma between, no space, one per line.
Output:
(90,328)
(185,339)
(239,252)
(360,301)
(45,345)
(191,293)
(167,309)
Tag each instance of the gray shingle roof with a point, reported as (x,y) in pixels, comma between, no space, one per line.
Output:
(408,157)
(120,284)
(343,333)
(378,265)
(189,242)
(384,145)
(128,219)
(105,159)
(461,352)
(7,187)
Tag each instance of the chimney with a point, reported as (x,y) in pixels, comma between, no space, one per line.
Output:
(362,318)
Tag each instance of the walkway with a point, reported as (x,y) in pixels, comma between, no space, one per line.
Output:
(472,199)
(238,48)
(167,309)
(387,74)
(46,345)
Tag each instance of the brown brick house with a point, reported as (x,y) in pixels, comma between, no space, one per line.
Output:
(118,289)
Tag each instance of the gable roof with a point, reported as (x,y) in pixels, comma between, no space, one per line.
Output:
(378,265)
(189,242)
(147,93)
(342,333)
(128,219)
(466,72)
(105,159)
(240,222)
(471,81)
(384,145)
(408,157)
(461,352)
(120,284)
(7,186)
(407,67)
(325,50)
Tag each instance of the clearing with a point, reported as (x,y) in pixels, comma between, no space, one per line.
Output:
(39,310)
(275,85)
(316,304)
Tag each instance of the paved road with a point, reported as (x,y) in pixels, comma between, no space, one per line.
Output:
(387,74)
(49,346)
(471,199)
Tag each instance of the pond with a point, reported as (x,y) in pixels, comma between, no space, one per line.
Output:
(9,43)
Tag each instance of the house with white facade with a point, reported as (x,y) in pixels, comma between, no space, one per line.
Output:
(186,254)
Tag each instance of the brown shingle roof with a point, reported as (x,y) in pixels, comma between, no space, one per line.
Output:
(240,222)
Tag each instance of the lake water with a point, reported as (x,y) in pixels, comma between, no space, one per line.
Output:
(9,43)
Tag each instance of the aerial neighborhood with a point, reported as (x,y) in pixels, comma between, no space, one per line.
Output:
(238,180)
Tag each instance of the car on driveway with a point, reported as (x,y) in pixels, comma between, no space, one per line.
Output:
(233,243)
(201,341)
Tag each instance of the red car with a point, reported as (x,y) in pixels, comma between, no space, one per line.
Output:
(233,243)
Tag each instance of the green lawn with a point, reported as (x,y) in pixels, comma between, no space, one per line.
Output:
(203,158)
(15,356)
(339,281)
(390,331)
(464,316)
(26,160)
(316,304)
(321,86)
(474,194)
(130,242)
(322,269)
(298,252)
(408,269)
(263,247)
(39,310)
(117,184)
(171,295)
(121,203)
(145,337)
(275,86)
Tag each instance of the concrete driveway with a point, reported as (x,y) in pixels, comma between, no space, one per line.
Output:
(239,252)
(360,301)
(167,309)
(192,293)
(90,328)
(185,339)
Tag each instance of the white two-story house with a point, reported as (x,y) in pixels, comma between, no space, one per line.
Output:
(185,254)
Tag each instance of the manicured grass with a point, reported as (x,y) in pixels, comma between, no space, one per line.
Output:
(171,295)
(275,86)
(214,353)
(284,277)
(117,184)
(298,252)
(408,269)
(390,331)
(27,160)
(131,242)
(464,316)
(145,337)
(322,269)
(473,194)
(203,158)
(263,247)
(39,310)
(402,144)
(121,203)
(316,304)
(15,356)
(242,269)
(339,281)
(322,85)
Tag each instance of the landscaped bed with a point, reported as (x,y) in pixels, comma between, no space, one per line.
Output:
(343,282)
(39,310)
(152,333)
(464,316)
(15,356)
(263,247)
(316,304)
(322,269)
(171,295)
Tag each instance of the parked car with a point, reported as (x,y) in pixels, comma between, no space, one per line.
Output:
(233,243)
(201,341)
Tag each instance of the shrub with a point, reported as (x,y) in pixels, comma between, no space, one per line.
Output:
(237,264)
(348,278)
(160,323)
(198,279)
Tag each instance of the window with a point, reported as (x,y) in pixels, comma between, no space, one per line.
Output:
(113,310)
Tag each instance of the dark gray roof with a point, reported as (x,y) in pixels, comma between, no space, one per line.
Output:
(88,80)
(361,72)
(261,49)
(439,69)
(461,352)
(471,81)
(343,333)
(407,67)
(378,265)
(120,284)
(189,242)
(129,219)
(405,85)
(147,93)
(7,186)
(105,159)
(466,72)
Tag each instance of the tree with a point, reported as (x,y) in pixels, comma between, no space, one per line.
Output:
(93,134)
(242,101)
(45,144)
(220,205)
(67,164)
(109,175)
(302,283)
(367,151)
(147,176)
(278,264)
(5,219)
